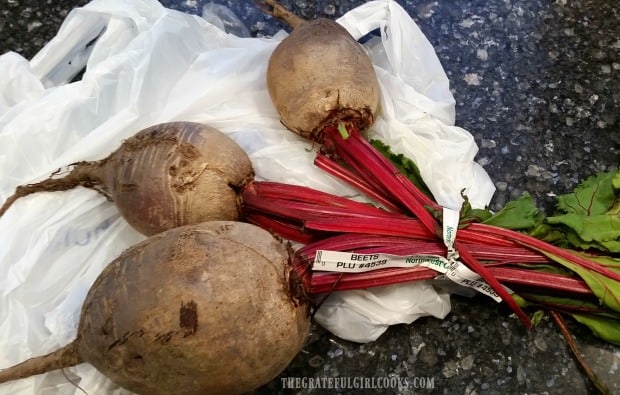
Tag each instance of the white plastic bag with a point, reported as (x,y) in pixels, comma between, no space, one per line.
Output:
(365,314)
(146,64)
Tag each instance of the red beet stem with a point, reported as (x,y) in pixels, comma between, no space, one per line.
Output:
(378,171)
(349,242)
(374,175)
(544,247)
(268,192)
(348,157)
(397,245)
(301,210)
(283,229)
(324,281)
(374,242)
(486,275)
(408,227)
(389,166)
(526,279)
(357,152)
(466,235)
(353,179)
(532,279)
(502,255)
(371,244)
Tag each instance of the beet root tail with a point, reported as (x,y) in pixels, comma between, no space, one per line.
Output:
(64,357)
(84,174)
(277,10)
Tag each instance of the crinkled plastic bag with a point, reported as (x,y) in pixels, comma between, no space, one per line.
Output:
(222,17)
(146,64)
(363,315)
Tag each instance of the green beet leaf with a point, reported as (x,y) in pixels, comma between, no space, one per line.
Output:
(405,165)
(607,329)
(577,305)
(519,214)
(605,288)
(596,195)
(590,215)
(603,323)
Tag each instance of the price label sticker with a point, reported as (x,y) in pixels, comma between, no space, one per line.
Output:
(348,262)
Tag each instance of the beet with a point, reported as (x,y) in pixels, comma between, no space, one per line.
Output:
(167,175)
(320,76)
(202,309)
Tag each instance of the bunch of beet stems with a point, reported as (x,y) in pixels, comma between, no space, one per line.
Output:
(405,224)
(327,222)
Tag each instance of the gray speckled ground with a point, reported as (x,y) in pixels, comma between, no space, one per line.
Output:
(536,83)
